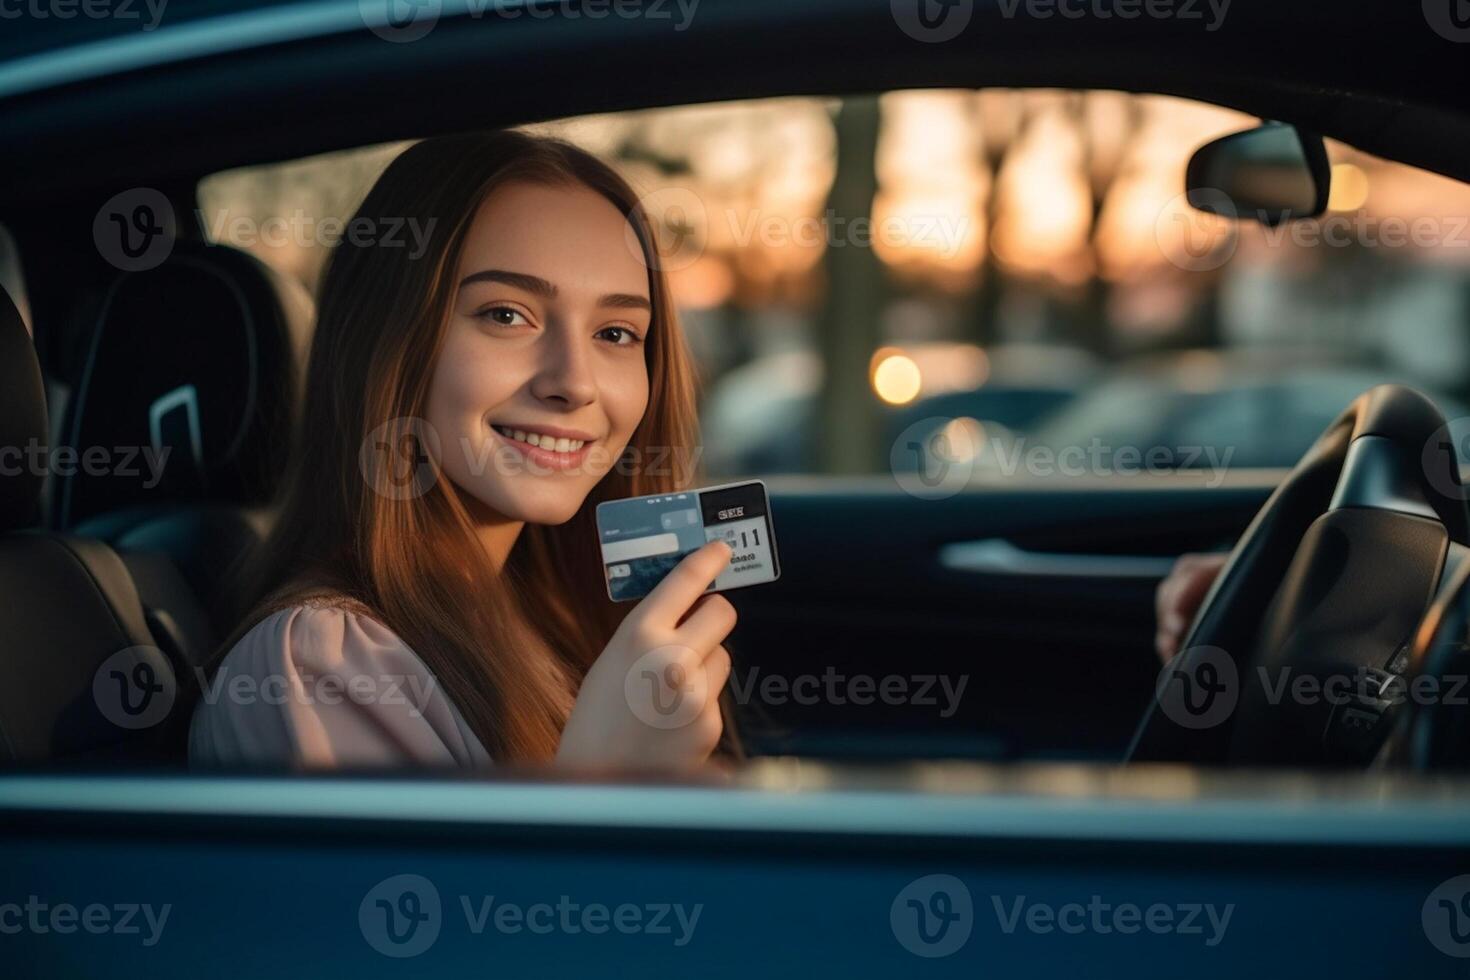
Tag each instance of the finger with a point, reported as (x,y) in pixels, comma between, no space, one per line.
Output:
(1166,644)
(712,620)
(1166,597)
(717,668)
(672,597)
(1192,589)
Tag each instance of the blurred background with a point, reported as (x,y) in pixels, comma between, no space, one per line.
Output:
(999,270)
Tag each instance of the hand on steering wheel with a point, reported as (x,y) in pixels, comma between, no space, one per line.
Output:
(1326,586)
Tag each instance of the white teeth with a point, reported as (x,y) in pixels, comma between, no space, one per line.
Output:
(548,443)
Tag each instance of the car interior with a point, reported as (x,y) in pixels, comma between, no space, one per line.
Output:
(1063,766)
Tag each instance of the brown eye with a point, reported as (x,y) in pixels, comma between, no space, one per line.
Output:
(503,315)
(622,336)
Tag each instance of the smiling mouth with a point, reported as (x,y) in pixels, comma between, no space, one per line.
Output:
(548,443)
(549,450)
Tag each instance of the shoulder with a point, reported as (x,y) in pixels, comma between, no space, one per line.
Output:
(325,684)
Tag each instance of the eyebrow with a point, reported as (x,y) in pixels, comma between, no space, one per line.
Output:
(548,290)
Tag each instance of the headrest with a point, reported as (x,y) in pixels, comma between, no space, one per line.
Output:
(22,422)
(194,371)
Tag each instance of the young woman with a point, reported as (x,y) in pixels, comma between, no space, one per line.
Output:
(432,591)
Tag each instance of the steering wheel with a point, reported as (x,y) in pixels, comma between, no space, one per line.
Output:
(1313,616)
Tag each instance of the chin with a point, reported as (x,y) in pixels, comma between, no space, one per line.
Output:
(538,508)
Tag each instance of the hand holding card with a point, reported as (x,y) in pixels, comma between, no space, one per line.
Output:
(651,700)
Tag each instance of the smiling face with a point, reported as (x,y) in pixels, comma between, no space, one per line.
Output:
(541,380)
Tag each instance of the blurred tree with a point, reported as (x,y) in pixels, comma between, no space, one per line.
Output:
(848,331)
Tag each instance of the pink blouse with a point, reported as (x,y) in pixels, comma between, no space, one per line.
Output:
(319,686)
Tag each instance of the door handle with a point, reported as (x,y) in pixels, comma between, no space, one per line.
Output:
(997,556)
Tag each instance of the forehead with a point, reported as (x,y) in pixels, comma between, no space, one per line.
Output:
(569,235)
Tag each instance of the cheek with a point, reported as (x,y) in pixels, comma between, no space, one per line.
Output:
(464,383)
(625,398)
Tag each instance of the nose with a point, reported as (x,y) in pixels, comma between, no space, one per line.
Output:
(565,378)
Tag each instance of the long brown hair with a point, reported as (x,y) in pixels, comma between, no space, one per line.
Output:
(413,560)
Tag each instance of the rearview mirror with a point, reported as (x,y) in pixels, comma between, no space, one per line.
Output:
(1270,174)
